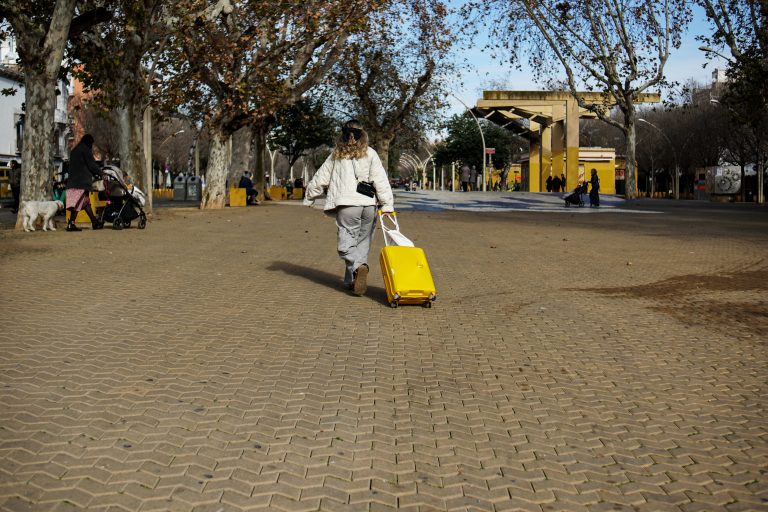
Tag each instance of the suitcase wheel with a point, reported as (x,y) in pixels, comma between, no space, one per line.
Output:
(393,304)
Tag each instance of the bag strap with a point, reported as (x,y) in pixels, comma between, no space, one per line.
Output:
(354,167)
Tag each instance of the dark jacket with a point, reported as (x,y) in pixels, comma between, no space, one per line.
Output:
(595,182)
(246,183)
(14,176)
(82,167)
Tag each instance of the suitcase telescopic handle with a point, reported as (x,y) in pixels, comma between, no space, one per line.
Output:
(393,219)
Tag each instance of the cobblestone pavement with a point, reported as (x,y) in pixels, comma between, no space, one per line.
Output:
(214,363)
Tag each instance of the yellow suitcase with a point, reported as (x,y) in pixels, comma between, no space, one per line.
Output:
(407,278)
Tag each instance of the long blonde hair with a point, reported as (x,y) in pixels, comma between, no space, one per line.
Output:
(352,143)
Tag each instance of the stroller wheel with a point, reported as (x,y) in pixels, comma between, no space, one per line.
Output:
(127,224)
(142,222)
(117,224)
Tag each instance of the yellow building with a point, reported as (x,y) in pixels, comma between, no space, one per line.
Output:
(514,175)
(601,159)
(604,161)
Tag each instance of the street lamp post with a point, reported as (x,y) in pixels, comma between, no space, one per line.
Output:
(170,137)
(674,151)
(434,175)
(482,137)
(162,143)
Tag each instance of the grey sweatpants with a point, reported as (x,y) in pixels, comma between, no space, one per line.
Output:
(355,230)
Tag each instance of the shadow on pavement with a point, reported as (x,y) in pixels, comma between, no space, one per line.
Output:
(321,277)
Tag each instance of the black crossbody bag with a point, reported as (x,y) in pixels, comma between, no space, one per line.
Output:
(365,187)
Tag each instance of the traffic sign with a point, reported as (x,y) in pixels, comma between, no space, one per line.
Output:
(490,151)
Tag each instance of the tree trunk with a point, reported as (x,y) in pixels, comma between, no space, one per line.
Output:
(381,145)
(37,154)
(260,141)
(629,173)
(215,192)
(242,151)
(743,185)
(131,119)
(191,170)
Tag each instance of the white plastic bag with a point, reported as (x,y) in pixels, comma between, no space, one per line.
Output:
(392,235)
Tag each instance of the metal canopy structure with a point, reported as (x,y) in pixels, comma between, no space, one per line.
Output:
(550,122)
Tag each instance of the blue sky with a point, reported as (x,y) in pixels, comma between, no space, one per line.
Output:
(684,64)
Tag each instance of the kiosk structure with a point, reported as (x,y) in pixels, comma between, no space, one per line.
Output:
(550,121)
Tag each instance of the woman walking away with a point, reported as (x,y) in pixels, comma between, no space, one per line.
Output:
(83,170)
(345,173)
(594,197)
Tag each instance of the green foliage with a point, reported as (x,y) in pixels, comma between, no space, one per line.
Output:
(301,127)
(747,91)
(464,144)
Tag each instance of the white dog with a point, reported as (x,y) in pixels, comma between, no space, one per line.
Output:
(31,210)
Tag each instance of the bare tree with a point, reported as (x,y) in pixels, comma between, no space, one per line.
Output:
(619,48)
(394,74)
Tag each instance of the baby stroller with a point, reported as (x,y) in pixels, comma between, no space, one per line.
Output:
(574,198)
(123,204)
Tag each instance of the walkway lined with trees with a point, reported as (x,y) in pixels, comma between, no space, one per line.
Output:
(228,67)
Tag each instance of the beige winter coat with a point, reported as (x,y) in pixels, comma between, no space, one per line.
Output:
(341,178)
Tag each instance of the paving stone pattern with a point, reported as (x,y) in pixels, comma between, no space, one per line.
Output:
(213,362)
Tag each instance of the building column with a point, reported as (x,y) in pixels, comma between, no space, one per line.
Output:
(571,143)
(534,159)
(558,140)
(546,157)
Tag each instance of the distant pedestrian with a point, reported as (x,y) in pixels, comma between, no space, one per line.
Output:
(549,183)
(503,178)
(563,183)
(473,178)
(465,173)
(298,184)
(556,183)
(251,194)
(14,180)
(594,196)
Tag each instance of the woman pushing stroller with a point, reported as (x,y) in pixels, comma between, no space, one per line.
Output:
(83,170)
